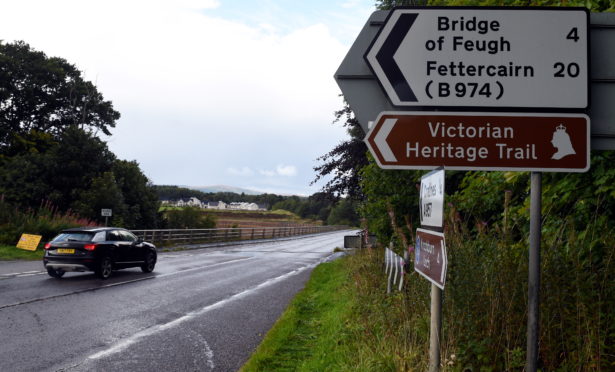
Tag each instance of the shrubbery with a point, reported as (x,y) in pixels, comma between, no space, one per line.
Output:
(485,300)
(189,218)
(46,221)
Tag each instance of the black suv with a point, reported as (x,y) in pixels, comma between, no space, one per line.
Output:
(100,249)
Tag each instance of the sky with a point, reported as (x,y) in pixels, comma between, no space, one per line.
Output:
(211,92)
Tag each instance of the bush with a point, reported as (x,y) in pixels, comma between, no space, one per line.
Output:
(46,221)
(189,218)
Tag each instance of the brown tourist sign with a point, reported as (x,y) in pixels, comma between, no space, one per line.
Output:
(481,141)
(430,258)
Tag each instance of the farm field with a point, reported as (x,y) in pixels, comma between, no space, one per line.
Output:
(248,219)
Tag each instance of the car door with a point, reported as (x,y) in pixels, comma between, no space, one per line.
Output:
(121,249)
(133,248)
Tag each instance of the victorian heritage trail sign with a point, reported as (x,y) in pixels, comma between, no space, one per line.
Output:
(481,141)
(483,88)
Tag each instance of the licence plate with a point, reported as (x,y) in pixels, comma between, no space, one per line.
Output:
(65,250)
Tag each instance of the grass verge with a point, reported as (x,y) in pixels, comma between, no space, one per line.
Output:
(311,335)
(8,253)
(344,321)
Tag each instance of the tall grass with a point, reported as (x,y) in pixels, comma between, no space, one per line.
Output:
(47,220)
(484,308)
(485,303)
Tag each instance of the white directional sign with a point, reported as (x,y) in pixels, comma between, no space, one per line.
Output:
(106,212)
(484,57)
(432,199)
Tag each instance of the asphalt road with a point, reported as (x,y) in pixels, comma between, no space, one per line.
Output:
(200,310)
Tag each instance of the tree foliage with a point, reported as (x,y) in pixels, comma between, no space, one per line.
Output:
(344,213)
(189,218)
(49,148)
(40,94)
(593,5)
(344,161)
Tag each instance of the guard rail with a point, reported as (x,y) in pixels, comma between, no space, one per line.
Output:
(190,236)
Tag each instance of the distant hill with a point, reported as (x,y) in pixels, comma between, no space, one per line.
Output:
(223,188)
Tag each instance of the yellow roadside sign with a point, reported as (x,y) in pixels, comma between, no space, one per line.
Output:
(29,242)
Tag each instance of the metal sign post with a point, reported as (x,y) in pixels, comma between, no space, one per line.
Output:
(534,272)
(435,328)
(430,259)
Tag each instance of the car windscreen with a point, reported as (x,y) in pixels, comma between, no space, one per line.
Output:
(77,236)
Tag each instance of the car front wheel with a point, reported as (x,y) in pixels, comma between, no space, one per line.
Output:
(105,267)
(55,273)
(150,263)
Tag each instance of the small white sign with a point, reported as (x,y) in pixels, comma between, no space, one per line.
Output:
(484,57)
(105,212)
(432,199)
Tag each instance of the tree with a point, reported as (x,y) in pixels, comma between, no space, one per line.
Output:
(78,158)
(345,160)
(103,192)
(344,213)
(141,200)
(189,218)
(49,148)
(23,179)
(388,4)
(58,174)
(40,94)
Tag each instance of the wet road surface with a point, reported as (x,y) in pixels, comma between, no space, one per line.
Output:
(200,310)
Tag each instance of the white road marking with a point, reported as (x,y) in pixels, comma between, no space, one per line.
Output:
(124,344)
(204,267)
(19,275)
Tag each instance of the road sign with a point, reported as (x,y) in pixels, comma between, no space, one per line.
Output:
(430,256)
(29,242)
(367,99)
(431,205)
(484,57)
(105,212)
(481,141)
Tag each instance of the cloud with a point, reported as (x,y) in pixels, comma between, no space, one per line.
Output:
(242,172)
(286,170)
(280,170)
(205,87)
(198,4)
(267,173)
(351,4)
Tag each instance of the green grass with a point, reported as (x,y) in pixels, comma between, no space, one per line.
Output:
(344,321)
(311,335)
(8,253)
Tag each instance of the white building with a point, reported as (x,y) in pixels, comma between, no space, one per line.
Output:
(194,202)
(217,205)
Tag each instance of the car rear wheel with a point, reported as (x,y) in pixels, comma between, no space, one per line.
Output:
(150,263)
(105,267)
(55,273)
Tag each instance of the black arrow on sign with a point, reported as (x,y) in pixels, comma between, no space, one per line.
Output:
(388,64)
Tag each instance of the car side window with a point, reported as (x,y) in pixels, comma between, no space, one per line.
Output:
(114,236)
(128,237)
(99,237)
